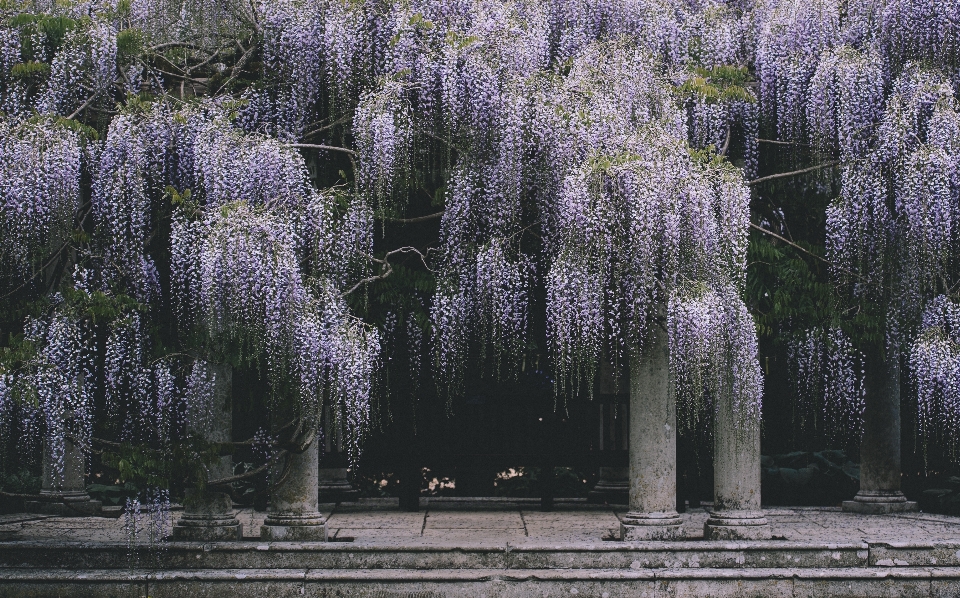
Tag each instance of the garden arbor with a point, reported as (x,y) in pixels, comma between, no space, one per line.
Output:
(360,200)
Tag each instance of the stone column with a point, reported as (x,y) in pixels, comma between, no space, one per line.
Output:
(653,445)
(333,482)
(293,513)
(613,483)
(334,486)
(880,448)
(208,512)
(613,486)
(64,495)
(736,513)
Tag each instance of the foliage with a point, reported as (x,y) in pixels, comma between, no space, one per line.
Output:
(189,185)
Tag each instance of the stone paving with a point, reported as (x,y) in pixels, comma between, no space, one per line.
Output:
(379,522)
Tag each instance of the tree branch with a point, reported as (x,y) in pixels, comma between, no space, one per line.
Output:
(778,142)
(327,127)
(726,144)
(235,70)
(417,219)
(85,104)
(789,242)
(248,474)
(331,148)
(386,268)
(794,173)
(799,248)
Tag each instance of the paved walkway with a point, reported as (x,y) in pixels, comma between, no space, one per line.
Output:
(379,522)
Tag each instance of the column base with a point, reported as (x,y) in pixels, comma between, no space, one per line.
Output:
(651,526)
(339,494)
(736,525)
(207,517)
(78,504)
(299,528)
(335,487)
(208,530)
(612,494)
(613,487)
(879,502)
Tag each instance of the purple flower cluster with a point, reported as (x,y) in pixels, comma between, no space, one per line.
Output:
(382,126)
(791,38)
(846,99)
(40,174)
(128,180)
(935,365)
(828,375)
(62,378)
(713,355)
(502,282)
(146,520)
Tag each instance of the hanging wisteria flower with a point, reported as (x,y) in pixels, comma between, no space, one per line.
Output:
(577,156)
(792,36)
(713,354)
(846,99)
(382,126)
(40,172)
(128,179)
(828,375)
(935,366)
(62,378)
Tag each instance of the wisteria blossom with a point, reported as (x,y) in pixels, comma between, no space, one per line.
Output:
(828,374)
(187,185)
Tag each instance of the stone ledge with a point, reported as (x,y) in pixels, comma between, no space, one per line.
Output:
(293,555)
(439,575)
(651,546)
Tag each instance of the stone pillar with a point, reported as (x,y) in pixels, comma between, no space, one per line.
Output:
(653,445)
(64,495)
(880,448)
(334,486)
(333,482)
(208,512)
(293,513)
(736,513)
(613,486)
(613,483)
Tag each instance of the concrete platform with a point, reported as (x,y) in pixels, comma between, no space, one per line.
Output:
(491,548)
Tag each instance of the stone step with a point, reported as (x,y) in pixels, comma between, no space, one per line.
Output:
(817,582)
(602,555)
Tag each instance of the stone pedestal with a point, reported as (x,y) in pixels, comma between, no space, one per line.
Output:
(613,483)
(333,481)
(208,513)
(613,486)
(880,448)
(292,515)
(334,485)
(736,513)
(207,517)
(64,495)
(653,445)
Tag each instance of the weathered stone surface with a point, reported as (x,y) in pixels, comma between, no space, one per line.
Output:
(828,554)
(736,510)
(879,503)
(612,487)
(334,485)
(820,583)
(64,492)
(653,445)
(207,517)
(880,448)
(208,514)
(294,513)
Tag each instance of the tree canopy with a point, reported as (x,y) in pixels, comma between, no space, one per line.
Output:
(310,188)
